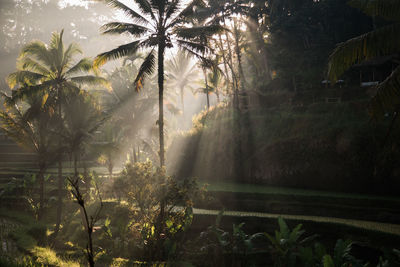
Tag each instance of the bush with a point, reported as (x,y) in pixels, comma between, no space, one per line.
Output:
(160,210)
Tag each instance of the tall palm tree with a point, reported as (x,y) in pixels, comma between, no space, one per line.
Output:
(181,72)
(382,41)
(109,149)
(52,71)
(82,117)
(216,81)
(32,126)
(159,25)
(134,111)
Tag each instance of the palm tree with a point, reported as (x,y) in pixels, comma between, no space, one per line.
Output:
(51,70)
(82,117)
(159,25)
(109,149)
(181,72)
(382,41)
(134,112)
(216,81)
(32,128)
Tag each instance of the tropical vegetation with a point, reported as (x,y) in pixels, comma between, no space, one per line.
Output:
(199,133)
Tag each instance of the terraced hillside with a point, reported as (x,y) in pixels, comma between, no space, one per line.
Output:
(13,160)
(13,156)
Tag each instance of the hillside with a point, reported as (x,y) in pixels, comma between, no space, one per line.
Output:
(333,146)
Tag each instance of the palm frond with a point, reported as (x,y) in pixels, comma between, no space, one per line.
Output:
(70,88)
(90,80)
(29,91)
(38,50)
(84,65)
(120,51)
(29,64)
(13,129)
(159,5)
(387,9)
(127,11)
(121,27)
(146,69)
(380,42)
(193,46)
(387,98)
(204,61)
(72,50)
(145,7)
(198,32)
(23,77)
(172,8)
(189,10)
(57,48)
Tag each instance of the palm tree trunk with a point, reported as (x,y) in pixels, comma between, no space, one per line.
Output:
(182,102)
(234,77)
(60,176)
(228,82)
(206,82)
(238,55)
(161,48)
(41,191)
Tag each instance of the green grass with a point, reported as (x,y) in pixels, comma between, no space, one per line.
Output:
(287,191)
(47,256)
(367,225)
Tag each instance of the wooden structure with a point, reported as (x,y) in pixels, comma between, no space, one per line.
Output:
(375,71)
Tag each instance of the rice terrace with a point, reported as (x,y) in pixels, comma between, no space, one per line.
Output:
(226,133)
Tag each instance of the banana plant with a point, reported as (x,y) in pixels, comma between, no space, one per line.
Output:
(286,243)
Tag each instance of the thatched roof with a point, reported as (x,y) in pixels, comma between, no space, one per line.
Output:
(379,61)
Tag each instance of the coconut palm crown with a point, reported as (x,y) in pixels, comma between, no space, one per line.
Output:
(52,72)
(52,69)
(158,25)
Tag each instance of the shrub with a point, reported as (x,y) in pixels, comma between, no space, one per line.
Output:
(161,209)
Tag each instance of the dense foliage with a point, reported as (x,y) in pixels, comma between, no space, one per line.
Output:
(280,91)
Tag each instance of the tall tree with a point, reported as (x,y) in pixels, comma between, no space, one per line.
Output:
(134,112)
(52,71)
(181,72)
(382,41)
(31,125)
(308,31)
(82,117)
(159,25)
(215,79)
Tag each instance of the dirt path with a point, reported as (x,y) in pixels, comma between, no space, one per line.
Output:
(369,225)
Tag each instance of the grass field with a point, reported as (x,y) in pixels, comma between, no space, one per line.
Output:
(272,190)
(368,225)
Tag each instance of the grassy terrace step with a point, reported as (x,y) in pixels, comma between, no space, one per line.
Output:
(303,202)
(17,157)
(275,190)
(388,228)
(328,229)
(18,164)
(6,147)
(368,209)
